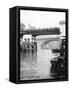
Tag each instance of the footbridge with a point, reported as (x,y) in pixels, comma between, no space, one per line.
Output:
(34,33)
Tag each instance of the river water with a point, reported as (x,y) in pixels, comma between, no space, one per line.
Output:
(36,65)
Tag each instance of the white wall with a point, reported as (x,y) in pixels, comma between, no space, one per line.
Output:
(4,44)
(27,37)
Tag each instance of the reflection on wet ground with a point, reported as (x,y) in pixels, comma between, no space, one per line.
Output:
(37,65)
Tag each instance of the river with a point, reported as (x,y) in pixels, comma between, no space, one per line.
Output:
(36,65)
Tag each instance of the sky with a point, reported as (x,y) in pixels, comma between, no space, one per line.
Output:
(41,19)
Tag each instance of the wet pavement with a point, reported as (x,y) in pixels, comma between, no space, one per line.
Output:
(36,65)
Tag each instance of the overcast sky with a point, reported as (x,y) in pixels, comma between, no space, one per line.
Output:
(41,19)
